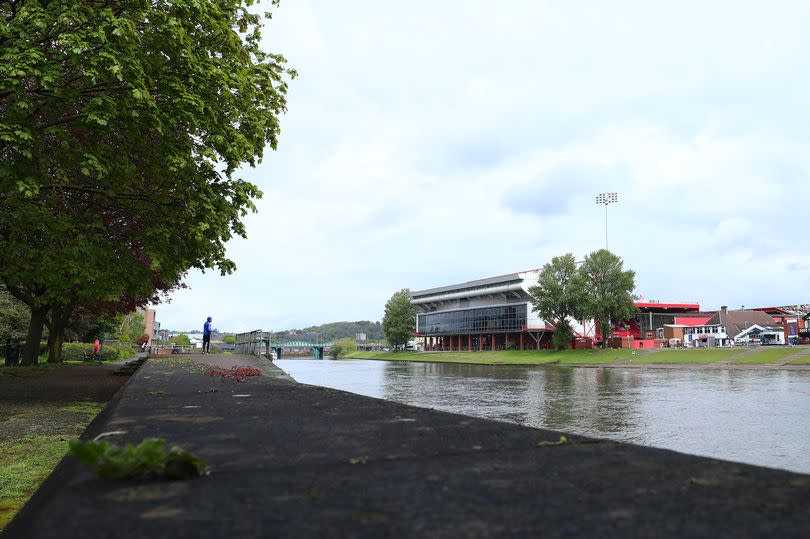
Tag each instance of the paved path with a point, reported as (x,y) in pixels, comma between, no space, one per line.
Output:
(292,460)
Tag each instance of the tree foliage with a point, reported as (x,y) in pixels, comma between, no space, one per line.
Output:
(399,321)
(600,289)
(342,347)
(334,330)
(122,123)
(130,328)
(14,316)
(560,296)
(181,339)
(609,290)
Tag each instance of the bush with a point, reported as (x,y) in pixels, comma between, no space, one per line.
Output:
(562,335)
(109,352)
(341,347)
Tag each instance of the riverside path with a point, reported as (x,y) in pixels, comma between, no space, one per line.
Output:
(292,460)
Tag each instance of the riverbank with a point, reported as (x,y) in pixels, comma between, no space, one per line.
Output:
(293,460)
(41,408)
(762,357)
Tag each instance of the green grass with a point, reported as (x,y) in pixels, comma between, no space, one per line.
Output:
(769,355)
(804,360)
(24,464)
(505,357)
(686,357)
(764,356)
(86,407)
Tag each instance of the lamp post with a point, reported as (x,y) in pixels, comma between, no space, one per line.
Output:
(606,199)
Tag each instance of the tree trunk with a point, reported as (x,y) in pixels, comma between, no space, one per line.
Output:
(59,318)
(31,352)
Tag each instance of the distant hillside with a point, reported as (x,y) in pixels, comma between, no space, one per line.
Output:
(334,330)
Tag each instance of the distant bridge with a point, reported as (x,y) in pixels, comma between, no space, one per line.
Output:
(261,343)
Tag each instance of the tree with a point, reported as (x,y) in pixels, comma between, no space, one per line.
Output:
(341,347)
(229,339)
(399,321)
(130,328)
(14,316)
(609,290)
(559,296)
(122,124)
(181,339)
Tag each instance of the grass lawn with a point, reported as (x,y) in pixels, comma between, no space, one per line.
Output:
(769,354)
(504,357)
(699,357)
(585,357)
(24,464)
(25,461)
(804,360)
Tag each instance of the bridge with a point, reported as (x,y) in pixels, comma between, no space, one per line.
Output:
(260,343)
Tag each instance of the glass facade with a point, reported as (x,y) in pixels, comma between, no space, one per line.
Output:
(483,320)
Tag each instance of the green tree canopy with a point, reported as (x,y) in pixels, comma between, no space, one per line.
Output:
(560,296)
(609,290)
(343,346)
(181,339)
(130,328)
(122,123)
(14,316)
(399,321)
(229,339)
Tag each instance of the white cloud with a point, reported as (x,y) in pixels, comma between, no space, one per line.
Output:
(428,144)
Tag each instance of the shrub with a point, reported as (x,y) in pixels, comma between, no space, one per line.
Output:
(109,352)
(75,351)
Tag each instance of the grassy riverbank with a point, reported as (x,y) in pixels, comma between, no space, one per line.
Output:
(41,408)
(763,356)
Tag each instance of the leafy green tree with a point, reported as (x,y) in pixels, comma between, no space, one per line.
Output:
(122,124)
(130,328)
(560,296)
(181,339)
(609,290)
(14,316)
(342,347)
(229,339)
(399,321)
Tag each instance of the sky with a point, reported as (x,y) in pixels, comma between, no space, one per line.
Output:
(435,142)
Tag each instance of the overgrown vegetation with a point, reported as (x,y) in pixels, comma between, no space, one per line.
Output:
(147,460)
(342,347)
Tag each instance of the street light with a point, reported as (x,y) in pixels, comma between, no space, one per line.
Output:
(606,199)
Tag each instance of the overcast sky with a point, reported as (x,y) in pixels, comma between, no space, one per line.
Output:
(434,142)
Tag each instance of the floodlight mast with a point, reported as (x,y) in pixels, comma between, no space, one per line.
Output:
(607,199)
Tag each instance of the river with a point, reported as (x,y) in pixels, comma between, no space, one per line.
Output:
(754,416)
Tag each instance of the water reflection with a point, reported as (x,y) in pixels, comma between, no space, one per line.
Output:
(755,416)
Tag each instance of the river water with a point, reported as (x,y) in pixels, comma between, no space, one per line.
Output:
(755,416)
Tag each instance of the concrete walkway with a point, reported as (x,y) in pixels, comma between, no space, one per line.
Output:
(291,460)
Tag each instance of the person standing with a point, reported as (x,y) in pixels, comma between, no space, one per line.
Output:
(207,336)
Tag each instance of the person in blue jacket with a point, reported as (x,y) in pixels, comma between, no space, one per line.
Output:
(207,336)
